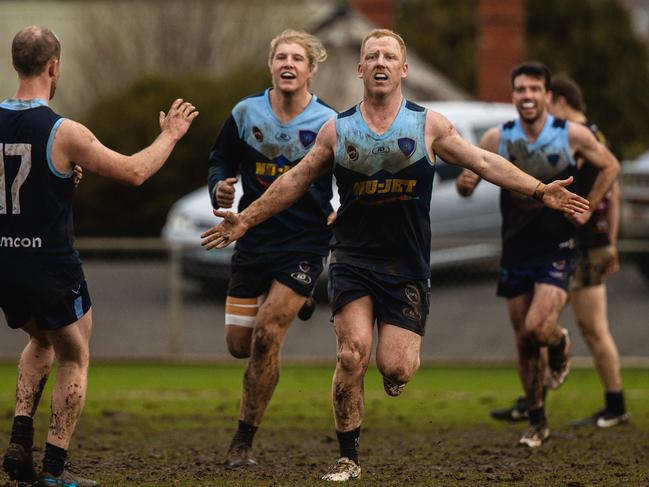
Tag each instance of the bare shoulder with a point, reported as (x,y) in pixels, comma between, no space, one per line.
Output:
(73,134)
(327,134)
(437,125)
(580,134)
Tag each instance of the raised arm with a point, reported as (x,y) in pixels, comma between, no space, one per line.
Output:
(446,142)
(584,142)
(285,191)
(76,144)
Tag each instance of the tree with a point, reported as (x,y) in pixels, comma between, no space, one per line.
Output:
(128,121)
(590,40)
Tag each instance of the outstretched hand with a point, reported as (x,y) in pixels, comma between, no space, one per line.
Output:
(557,197)
(177,120)
(229,230)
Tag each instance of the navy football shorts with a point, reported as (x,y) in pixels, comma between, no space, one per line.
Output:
(397,301)
(556,270)
(53,297)
(252,273)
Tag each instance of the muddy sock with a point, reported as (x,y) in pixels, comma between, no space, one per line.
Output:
(54,459)
(537,416)
(348,442)
(22,432)
(245,433)
(615,402)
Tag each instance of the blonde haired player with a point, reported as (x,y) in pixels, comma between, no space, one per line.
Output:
(275,268)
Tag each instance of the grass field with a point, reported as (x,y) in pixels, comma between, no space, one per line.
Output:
(158,425)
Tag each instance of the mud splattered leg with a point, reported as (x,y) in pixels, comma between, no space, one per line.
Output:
(354,323)
(69,394)
(33,370)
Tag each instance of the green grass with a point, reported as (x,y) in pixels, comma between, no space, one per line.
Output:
(437,396)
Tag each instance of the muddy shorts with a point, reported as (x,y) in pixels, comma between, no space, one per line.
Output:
(518,279)
(591,267)
(397,301)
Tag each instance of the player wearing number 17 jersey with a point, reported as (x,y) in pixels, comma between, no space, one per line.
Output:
(42,288)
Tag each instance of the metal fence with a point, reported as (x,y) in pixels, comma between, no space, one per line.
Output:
(149,302)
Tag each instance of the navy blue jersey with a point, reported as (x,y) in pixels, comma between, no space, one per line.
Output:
(385,183)
(256,144)
(530,230)
(35,199)
(595,232)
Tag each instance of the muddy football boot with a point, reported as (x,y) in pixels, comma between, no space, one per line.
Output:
(66,479)
(559,361)
(535,435)
(603,419)
(392,388)
(307,309)
(18,464)
(515,413)
(239,456)
(342,471)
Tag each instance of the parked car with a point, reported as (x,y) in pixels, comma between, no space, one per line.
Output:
(459,226)
(634,210)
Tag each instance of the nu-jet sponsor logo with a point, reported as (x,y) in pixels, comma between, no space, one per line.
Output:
(21,242)
(270,169)
(375,186)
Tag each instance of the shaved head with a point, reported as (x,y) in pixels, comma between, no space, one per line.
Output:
(32,48)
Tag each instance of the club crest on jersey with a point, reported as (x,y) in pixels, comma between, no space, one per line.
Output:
(284,137)
(407,146)
(304,266)
(382,149)
(307,137)
(412,294)
(352,152)
(256,133)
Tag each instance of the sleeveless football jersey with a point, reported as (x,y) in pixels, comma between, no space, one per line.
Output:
(530,230)
(385,183)
(35,199)
(594,233)
(256,144)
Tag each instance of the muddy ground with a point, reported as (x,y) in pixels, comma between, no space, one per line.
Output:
(120,450)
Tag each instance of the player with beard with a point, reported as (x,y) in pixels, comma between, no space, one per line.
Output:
(382,152)
(597,258)
(43,290)
(538,254)
(276,266)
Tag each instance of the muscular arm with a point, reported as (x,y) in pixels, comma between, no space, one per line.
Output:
(613,215)
(76,144)
(583,141)
(453,149)
(285,191)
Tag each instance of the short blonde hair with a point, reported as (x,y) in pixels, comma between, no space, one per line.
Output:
(315,51)
(378,33)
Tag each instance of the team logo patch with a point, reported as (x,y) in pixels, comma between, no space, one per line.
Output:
(301,277)
(284,137)
(411,313)
(382,149)
(407,146)
(307,137)
(412,294)
(352,152)
(256,133)
(304,266)
(559,265)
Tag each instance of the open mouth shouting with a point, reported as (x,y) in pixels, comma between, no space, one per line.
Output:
(380,77)
(288,75)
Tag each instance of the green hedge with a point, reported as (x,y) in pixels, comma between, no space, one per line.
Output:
(128,121)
